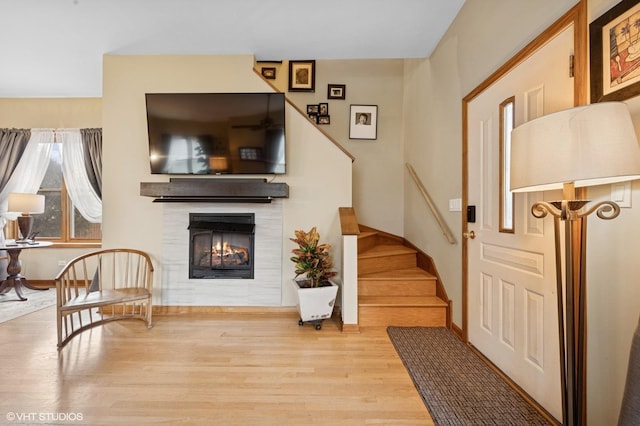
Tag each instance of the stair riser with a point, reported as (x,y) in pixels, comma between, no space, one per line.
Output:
(367,242)
(369,287)
(402,316)
(385,263)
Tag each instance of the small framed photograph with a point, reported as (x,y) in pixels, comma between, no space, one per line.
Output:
(324,119)
(336,91)
(615,53)
(302,76)
(313,117)
(268,72)
(323,109)
(363,122)
(313,109)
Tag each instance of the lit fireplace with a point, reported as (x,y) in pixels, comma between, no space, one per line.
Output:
(221,245)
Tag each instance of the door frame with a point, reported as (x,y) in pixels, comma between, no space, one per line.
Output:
(576,16)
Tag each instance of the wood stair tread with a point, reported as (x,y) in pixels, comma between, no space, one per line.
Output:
(365,234)
(385,250)
(402,301)
(399,274)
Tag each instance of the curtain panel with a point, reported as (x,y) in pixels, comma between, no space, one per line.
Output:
(92,148)
(12,144)
(81,192)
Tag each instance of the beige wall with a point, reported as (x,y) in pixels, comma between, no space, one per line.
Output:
(613,290)
(50,112)
(318,173)
(378,169)
(484,36)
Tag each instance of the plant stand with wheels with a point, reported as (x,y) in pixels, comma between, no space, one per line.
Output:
(315,291)
(317,323)
(315,304)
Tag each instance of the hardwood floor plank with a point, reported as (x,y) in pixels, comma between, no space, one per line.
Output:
(226,368)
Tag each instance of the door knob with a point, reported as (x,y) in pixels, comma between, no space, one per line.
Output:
(469,235)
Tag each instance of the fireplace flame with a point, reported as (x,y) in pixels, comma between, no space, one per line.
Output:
(228,254)
(226,249)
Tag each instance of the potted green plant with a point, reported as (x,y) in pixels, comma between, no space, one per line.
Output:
(314,270)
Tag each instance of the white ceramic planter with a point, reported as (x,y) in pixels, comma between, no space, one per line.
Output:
(316,303)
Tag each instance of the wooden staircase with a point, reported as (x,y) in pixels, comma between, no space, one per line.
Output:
(398,284)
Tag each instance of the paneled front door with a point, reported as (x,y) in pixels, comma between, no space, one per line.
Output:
(511,281)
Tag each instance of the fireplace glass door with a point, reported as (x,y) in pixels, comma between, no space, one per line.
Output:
(221,246)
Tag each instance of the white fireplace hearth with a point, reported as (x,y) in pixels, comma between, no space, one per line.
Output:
(262,290)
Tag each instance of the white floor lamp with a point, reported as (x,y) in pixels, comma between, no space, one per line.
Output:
(583,146)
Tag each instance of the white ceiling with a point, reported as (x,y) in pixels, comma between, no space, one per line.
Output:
(54,48)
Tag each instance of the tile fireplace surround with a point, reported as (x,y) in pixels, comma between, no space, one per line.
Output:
(263,290)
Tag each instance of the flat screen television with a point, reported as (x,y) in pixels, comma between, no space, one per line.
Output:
(216,133)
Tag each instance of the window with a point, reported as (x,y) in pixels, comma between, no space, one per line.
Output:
(506,196)
(61,221)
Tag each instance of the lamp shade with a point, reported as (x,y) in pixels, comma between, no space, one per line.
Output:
(589,145)
(26,203)
(218,163)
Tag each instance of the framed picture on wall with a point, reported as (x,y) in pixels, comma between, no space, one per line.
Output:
(268,72)
(302,76)
(336,91)
(614,45)
(363,122)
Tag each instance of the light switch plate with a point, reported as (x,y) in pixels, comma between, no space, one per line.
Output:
(621,194)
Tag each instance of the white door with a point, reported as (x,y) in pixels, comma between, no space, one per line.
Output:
(511,282)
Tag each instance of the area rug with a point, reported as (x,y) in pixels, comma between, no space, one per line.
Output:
(457,387)
(11,307)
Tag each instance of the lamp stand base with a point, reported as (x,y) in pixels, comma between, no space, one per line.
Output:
(25,223)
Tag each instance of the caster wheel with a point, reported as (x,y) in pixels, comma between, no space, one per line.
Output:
(318,326)
(300,323)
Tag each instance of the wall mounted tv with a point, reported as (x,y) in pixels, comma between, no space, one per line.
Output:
(216,133)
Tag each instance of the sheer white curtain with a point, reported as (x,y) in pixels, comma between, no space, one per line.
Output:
(81,192)
(29,172)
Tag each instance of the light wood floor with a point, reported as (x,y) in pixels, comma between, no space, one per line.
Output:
(227,369)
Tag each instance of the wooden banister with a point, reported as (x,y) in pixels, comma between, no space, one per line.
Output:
(443,225)
(348,221)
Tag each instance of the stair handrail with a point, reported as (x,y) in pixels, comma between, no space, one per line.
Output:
(443,225)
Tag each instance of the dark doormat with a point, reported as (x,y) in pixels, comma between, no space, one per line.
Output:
(457,387)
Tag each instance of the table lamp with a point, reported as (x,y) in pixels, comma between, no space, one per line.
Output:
(25,204)
(578,147)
